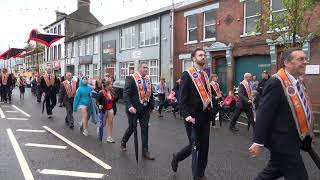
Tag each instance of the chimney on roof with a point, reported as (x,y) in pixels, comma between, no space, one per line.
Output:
(60,15)
(84,5)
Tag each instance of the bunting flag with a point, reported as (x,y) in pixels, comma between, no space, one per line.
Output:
(45,39)
(12,52)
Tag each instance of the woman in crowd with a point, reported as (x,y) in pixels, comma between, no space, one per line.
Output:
(81,102)
(98,86)
(107,104)
(22,86)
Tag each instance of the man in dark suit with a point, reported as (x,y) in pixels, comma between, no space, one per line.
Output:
(139,101)
(277,127)
(68,89)
(244,103)
(216,98)
(49,86)
(196,112)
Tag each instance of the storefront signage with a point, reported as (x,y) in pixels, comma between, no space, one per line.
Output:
(108,51)
(313,69)
(85,60)
(136,54)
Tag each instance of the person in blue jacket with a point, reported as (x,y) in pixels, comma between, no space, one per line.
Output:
(82,101)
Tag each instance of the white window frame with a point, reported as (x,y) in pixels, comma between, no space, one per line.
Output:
(87,70)
(154,77)
(55,52)
(188,29)
(59,51)
(80,47)
(130,33)
(87,46)
(74,48)
(96,70)
(245,20)
(59,29)
(144,34)
(95,44)
(204,27)
(125,67)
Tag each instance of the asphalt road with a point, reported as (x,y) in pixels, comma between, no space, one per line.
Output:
(228,155)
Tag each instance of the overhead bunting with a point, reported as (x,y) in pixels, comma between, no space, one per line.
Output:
(45,39)
(12,52)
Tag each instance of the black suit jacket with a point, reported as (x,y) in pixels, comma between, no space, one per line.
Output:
(131,96)
(275,127)
(52,89)
(243,98)
(190,101)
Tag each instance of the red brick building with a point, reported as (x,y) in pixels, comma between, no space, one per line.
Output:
(226,30)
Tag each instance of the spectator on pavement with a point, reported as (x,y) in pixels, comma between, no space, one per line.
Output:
(22,86)
(162,90)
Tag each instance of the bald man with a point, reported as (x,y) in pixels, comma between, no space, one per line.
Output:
(244,103)
(67,92)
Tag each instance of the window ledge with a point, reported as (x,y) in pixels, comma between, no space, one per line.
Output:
(191,42)
(127,49)
(209,40)
(249,35)
(142,46)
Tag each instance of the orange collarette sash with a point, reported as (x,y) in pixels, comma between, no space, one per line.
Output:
(296,106)
(216,88)
(143,97)
(49,82)
(68,90)
(248,88)
(4,78)
(204,95)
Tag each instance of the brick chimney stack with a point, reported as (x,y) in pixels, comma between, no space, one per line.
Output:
(84,5)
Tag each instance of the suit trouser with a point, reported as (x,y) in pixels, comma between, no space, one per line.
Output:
(220,116)
(291,167)
(203,133)
(144,125)
(237,113)
(38,93)
(162,102)
(51,101)
(69,109)
(6,92)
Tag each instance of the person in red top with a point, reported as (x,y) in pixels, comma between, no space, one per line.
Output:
(107,104)
(229,102)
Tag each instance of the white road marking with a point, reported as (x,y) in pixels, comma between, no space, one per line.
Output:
(6,106)
(71,173)
(46,146)
(22,161)
(22,119)
(21,111)
(78,148)
(12,111)
(30,130)
(2,114)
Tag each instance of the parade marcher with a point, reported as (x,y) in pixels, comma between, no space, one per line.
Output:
(162,90)
(284,120)
(196,109)
(107,104)
(216,98)
(34,85)
(139,102)
(62,79)
(244,103)
(265,77)
(67,93)
(175,105)
(38,88)
(98,86)
(6,85)
(82,102)
(49,86)
(22,86)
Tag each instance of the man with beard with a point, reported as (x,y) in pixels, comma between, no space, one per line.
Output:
(196,109)
(49,86)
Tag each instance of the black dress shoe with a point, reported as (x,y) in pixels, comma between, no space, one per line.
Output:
(203,178)
(174,163)
(71,126)
(123,147)
(148,156)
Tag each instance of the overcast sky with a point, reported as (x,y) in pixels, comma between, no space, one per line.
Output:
(20,16)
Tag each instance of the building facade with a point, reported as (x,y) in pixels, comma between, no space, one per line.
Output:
(227,31)
(118,48)
(70,26)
